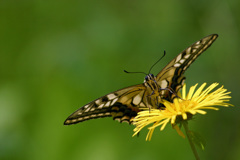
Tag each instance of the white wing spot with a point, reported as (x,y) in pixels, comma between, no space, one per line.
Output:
(178,57)
(164,83)
(101,106)
(194,50)
(176,64)
(137,99)
(186,56)
(79,119)
(93,115)
(182,61)
(92,109)
(87,109)
(204,47)
(111,96)
(163,92)
(98,101)
(194,57)
(100,114)
(107,104)
(86,106)
(184,68)
(115,100)
(189,63)
(86,117)
(108,113)
(142,105)
(188,51)
(117,119)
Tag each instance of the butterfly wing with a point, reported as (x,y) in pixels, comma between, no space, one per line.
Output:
(122,105)
(171,76)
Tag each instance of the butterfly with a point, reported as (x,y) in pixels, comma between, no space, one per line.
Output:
(124,104)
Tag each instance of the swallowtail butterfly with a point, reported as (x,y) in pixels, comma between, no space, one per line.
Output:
(124,104)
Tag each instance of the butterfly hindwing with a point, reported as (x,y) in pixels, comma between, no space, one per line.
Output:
(122,105)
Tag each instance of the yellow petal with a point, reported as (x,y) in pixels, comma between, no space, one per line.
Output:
(191,91)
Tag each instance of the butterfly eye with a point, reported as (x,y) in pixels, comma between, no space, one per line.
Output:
(152,75)
(147,78)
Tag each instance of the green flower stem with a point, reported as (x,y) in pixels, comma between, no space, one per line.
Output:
(185,125)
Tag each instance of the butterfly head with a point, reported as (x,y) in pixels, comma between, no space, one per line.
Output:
(149,77)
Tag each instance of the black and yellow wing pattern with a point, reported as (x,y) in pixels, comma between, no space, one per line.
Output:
(124,104)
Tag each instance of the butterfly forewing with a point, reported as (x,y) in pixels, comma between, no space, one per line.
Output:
(171,76)
(124,104)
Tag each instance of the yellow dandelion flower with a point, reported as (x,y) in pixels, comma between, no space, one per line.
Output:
(182,108)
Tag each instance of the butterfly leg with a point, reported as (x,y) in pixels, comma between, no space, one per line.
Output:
(171,91)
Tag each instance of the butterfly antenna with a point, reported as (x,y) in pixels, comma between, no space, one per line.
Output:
(164,53)
(135,72)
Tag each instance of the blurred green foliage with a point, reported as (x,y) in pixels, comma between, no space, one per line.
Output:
(57,56)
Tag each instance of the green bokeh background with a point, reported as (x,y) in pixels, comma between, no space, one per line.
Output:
(56,56)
